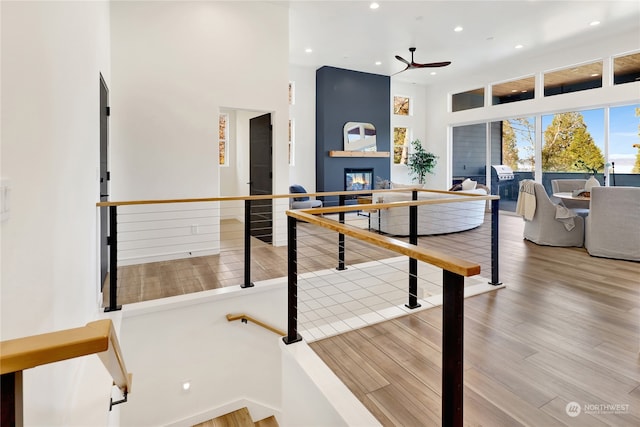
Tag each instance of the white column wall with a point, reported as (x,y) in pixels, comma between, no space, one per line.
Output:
(175,64)
(303,112)
(416,125)
(52,56)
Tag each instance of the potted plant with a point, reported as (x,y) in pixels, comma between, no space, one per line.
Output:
(420,161)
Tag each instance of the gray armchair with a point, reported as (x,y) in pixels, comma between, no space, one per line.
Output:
(303,202)
(545,229)
(612,229)
(568,185)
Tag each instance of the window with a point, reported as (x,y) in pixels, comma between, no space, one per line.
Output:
(469,153)
(573,142)
(626,69)
(400,145)
(223,139)
(292,93)
(518,138)
(516,90)
(402,106)
(624,141)
(467,100)
(291,140)
(574,79)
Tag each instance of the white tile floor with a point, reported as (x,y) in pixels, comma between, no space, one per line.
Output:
(331,302)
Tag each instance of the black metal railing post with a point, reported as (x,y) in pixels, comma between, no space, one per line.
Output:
(247,245)
(341,245)
(292,288)
(113,260)
(452,348)
(495,272)
(413,263)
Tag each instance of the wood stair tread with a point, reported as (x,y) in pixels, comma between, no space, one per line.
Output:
(238,418)
(267,422)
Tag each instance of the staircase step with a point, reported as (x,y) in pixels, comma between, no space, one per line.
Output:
(267,422)
(238,418)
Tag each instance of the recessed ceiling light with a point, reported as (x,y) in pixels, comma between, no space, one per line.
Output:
(595,75)
(378,62)
(513,90)
(308,50)
(374,5)
(518,46)
(524,91)
(186,385)
(458,29)
(433,73)
(594,23)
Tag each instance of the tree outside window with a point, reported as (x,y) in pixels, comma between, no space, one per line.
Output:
(518,143)
(569,146)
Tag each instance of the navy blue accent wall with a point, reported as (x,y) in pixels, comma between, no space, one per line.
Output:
(349,96)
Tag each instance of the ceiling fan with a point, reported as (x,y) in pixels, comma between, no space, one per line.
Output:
(412,65)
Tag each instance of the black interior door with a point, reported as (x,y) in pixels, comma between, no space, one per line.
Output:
(104,178)
(261,176)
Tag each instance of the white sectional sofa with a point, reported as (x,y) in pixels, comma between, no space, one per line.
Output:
(432,218)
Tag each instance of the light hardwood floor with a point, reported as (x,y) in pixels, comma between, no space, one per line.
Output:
(565,329)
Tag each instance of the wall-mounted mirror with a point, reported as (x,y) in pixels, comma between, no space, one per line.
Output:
(359,137)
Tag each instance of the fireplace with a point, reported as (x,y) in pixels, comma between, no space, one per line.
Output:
(358,179)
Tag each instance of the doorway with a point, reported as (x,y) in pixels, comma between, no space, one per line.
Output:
(261,177)
(104,179)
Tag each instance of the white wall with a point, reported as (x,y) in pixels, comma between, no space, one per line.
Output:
(175,65)
(303,112)
(52,55)
(168,341)
(416,124)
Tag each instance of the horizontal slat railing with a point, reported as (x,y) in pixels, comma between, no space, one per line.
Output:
(97,337)
(246,318)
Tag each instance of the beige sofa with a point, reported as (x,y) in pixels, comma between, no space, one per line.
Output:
(433,218)
(612,229)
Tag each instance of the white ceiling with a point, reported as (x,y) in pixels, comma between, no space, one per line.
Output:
(348,34)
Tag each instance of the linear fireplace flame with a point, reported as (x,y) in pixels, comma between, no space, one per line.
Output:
(358,179)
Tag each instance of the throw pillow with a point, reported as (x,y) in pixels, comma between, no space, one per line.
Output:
(468,184)
(382,184)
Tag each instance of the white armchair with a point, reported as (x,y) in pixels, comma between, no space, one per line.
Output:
(545,229)
(612,229)
(568,185)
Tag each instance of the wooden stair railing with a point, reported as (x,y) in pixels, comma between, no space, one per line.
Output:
(16,355)
(244,318)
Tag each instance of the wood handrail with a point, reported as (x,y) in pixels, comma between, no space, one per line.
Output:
(433,257)
(286,196)
(96,337)
(232,317)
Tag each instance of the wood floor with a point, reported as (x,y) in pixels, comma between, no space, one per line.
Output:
(317,250)
(565,329)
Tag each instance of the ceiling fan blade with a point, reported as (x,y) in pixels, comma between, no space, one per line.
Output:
(401,71)
(401,59)
(431,64)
